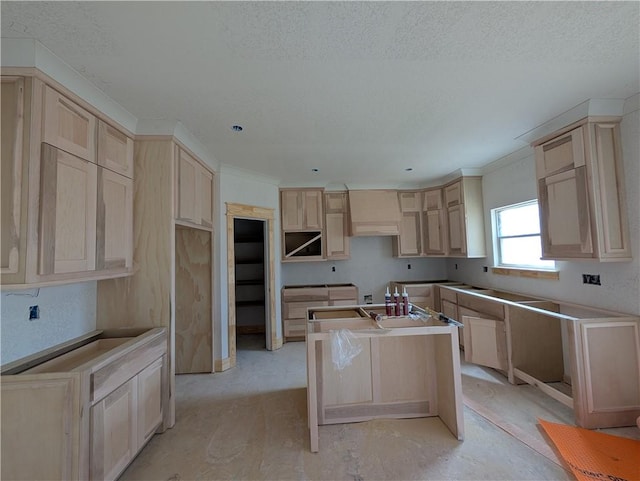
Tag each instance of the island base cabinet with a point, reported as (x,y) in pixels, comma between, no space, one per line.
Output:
(606,366)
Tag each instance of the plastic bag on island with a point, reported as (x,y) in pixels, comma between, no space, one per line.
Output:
(344,347)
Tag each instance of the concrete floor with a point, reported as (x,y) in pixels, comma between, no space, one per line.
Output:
(251,423)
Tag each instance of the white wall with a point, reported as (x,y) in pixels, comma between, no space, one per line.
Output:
(620,289)
(65,312)
(241,187)
(371,268)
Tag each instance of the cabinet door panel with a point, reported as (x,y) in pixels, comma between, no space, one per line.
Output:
(149,401)
(409,201)
(12,125)
(114,247)
(114,429)
(450,309)
(457,234)
(312,209)
(563,153)
(187,191)
(291,209)
(410,234)
(115,150)
(68,213)
(69,126)
(433,233)
(485,342)
(433,200)
(565,221)
(453,194)
(337,241)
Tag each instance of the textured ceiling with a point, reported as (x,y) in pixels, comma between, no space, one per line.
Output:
(359,90)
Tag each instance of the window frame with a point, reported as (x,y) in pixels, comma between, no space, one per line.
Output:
(498,260)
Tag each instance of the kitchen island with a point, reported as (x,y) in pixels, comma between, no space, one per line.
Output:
(407,368)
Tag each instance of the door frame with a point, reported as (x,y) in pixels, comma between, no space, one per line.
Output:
(242,211)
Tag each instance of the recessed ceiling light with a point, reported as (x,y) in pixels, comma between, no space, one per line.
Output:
(408,169)
(237,128)
(315,170)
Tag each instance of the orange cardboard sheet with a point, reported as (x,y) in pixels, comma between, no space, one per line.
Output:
(595,456)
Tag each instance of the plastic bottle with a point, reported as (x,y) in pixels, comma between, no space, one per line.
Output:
(405,302)
(396,298)
(387,302)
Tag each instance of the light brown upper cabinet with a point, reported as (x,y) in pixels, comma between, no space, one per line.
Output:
(581,193)
(336,210)
(434,224)
(465,217)
(67,188)
(115,150)
(409,242)
(68,126)
(195,187)
(302,226)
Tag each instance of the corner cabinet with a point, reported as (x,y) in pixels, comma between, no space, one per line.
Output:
(581,193)
(67,188)
(301,221)
(465,218)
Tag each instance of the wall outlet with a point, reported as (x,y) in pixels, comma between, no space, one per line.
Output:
(333,268)
(485,269)
(591,279)
(456,266)
(408,266)
(368,298)
(34,312)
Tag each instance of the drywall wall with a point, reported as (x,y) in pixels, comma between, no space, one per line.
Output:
(65,312)
(515,182)
(241,187)
(371,268)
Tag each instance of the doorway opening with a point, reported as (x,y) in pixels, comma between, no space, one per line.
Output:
(250,289)
(265,218)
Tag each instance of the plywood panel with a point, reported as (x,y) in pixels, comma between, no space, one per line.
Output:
(115,150)
(194,323)
(408,368)
(351,385)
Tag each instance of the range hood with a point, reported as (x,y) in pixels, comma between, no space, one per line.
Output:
(374,212)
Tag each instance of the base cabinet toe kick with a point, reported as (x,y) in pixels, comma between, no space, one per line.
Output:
(84,409)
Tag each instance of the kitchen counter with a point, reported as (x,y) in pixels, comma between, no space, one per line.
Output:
(407,368)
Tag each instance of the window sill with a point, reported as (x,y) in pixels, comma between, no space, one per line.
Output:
(530,273)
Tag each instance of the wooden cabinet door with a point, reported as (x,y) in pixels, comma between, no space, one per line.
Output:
(115,150)
(410,201)
(450,309)
(434,233)
(564,215)
(188,201)
(68,126)
(114,431)
(206,197)
(68,195)
(563,153)
(457,232)
(410,238)
(312,208)
(12,125)
(114,243)
(195,188)
(485,341)
(336,225)
(292,217)
(149,400)
(453,194)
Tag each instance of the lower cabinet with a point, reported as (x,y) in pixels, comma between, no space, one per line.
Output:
(485,341)
(124,421)
(84,409)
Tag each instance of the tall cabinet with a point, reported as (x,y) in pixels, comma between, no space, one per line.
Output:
(173,253)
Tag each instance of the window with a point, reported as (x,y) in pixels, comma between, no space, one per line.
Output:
(518,241)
